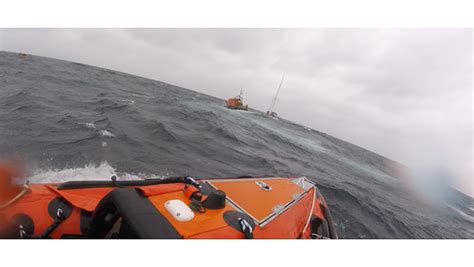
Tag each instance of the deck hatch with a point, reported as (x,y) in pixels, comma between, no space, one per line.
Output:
(260,198)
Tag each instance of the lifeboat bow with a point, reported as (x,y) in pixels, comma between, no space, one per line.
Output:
(171,208)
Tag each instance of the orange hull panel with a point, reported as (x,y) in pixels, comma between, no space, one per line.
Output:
(243,195)
(247,193)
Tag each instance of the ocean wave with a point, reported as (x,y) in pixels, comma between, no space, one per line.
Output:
(90,125)
(83,108)
(103,120)
(90,172)
(462,214)
(28,107)
(105,133)
(224,133)
(114,106)
(129,101)
(159,129)
(103,171)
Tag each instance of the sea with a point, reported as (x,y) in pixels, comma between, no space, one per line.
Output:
(71,121)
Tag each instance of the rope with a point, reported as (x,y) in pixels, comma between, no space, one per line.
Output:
(15,198)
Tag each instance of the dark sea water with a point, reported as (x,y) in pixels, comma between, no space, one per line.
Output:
(76,122)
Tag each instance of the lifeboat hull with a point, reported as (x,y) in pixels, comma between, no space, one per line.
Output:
(225,208)
(234,103)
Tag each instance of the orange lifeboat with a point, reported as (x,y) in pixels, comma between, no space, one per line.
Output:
(236,102)
(179,207)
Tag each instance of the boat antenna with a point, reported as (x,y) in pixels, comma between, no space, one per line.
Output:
(276,96)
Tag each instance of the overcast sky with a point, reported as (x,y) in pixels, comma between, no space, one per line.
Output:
(406,94)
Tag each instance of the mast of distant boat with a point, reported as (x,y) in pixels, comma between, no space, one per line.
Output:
(272,105)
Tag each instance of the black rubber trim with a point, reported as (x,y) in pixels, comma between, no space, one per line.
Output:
(215,200)
(243,177)
(206,188)
(26,222)
(59,203)
(105,183)
(85,221)
(97,184)
(231,217)
(319,226)
(327,215)
(136,211)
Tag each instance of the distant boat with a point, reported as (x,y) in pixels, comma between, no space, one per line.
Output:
(22,55)
(272,105)
(236,102)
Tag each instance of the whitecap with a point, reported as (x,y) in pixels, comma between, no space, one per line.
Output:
(130,101)
(90,125)
(106,133)
(89,172)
